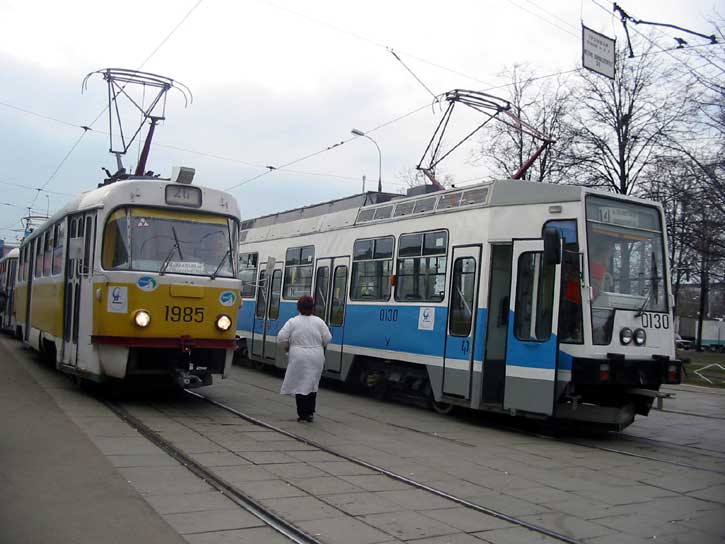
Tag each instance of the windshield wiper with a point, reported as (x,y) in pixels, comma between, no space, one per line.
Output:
(213,275)
(175,247)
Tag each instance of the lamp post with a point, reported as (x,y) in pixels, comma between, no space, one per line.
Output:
(357,132)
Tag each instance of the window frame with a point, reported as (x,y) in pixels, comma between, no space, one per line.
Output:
(256,271)
(533,318)
(311,266)
(474,308)
(422,255)
(333,279)
(351,272)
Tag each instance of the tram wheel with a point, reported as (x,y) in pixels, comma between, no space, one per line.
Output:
(442,408)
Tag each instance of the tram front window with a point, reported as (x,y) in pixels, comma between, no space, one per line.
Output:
(626,262)
(150,240)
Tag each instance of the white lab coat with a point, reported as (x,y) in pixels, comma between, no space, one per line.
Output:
(306,336)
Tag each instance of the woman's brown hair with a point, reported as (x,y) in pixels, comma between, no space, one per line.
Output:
(305,305)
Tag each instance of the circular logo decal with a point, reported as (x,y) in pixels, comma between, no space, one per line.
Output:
(228,298)
(147,283)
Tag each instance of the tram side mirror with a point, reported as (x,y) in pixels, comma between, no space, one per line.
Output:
(271,262)
(552,246)
(75,248)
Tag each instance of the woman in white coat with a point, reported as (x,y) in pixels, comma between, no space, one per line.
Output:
(305,338)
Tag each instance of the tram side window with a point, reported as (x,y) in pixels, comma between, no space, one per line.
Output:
(58,248)
(298,272)
(337,310)
(322,285)
(463,290)
(48,252)
(115,252)
(534,298)
(422,267)
(372,266)
(38,272)
(570,309)
(248,274)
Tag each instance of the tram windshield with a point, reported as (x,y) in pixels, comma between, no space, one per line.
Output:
(626,261)
(152,240)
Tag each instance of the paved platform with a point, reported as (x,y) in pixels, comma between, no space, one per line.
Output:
(56,486)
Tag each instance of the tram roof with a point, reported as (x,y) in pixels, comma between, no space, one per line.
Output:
(121,192)
(502,193)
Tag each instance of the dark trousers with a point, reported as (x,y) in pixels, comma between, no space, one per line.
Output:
(305,404)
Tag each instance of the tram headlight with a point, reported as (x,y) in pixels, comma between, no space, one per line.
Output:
(223,322)
(640,337)
(625,336)
(142,318)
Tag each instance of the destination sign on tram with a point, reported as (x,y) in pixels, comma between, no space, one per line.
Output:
(183,195)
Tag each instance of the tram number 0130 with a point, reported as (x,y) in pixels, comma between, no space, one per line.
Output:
(187,314)
(655,321)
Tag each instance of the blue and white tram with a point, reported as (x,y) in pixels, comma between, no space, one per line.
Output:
(524,298)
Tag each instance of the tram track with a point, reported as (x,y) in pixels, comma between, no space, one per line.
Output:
(242,500)
(393,475)
(584,444)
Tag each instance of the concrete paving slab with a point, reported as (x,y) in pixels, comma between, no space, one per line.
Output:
(257,535)
(268,457)
(714,493)
(212,520)
(269,489)
(164,480)
(216,459)
(189,502)
(512,506)
(375,482)
(344,529)
(313,456)
(301,508)
(358,504)
(408,525)
(416,499)
(126,446)
(343,468)
(243,473)
(625,495)
(691,537)
(620,538)
(710,522)
(457,538)
(466,519)
(569,525)
(540,495)
(641,526)
(515,535)
(161,460)
(295,470)
(459,488)
(325,485)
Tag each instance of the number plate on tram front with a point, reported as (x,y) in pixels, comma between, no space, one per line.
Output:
(183,195)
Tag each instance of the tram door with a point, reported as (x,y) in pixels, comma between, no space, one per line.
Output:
(462,314)
(532,344)
(77,307)
(266,315)
(330,296)
(30,267)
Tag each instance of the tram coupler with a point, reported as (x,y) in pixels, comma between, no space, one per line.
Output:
(191,379)
(657,395)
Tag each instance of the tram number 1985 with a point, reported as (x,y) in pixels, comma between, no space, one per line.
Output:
(187,314)
(655,321)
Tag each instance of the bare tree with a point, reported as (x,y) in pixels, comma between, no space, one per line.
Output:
(620,125)
(543,104)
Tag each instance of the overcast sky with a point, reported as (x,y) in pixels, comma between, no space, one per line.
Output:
(272,82)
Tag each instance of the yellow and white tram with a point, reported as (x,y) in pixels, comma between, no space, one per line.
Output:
(8,272)
(135,278)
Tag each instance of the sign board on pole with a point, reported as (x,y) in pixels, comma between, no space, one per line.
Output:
(598,52)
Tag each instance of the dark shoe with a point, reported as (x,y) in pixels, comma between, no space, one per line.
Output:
(309,418)
(301,419)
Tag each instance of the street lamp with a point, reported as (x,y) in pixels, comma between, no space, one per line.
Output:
(357,132)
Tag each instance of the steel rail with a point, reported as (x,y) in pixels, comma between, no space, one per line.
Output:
(247,503)
(463,502)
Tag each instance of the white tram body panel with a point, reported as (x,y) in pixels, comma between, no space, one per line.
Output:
(133,279)
(455,295)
